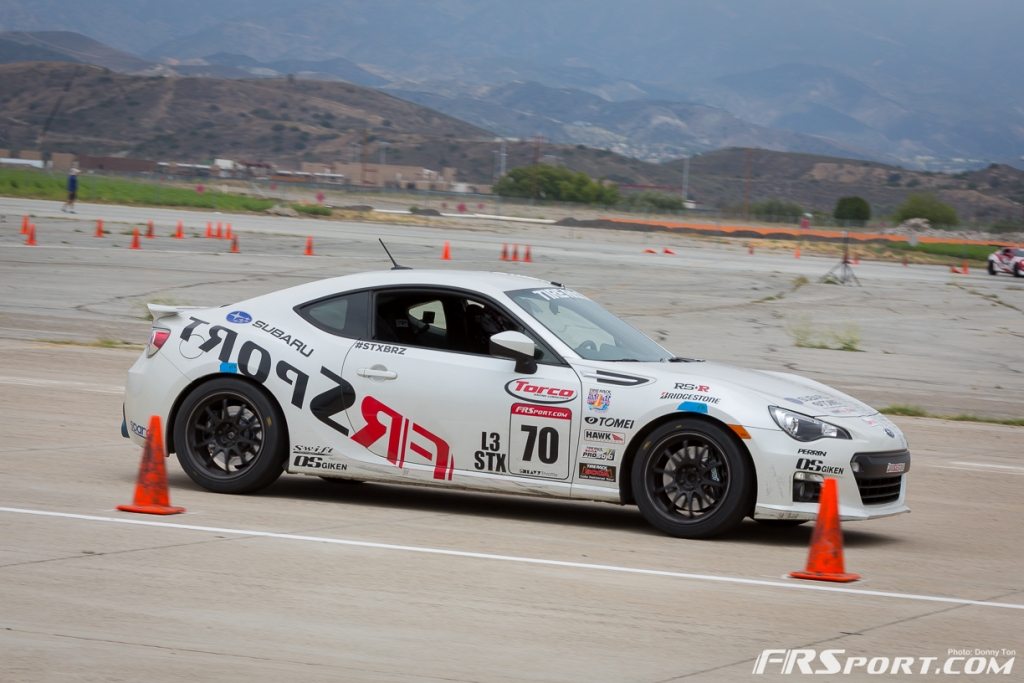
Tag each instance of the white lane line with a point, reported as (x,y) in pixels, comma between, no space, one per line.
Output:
(61,384)
(985,464)
(521,560)
(976,470)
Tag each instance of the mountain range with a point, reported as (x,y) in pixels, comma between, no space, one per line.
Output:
(919,83)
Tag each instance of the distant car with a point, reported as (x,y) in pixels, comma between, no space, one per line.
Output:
(1007,260)
(501,383)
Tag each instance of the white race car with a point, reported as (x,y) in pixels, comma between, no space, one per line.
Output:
(1007,260)
(502,383)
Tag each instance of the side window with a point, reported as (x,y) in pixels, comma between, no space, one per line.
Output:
(343,315)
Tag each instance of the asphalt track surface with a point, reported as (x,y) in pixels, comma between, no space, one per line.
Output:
(317,581)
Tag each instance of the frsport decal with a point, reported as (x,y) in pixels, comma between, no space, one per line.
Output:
(525,389)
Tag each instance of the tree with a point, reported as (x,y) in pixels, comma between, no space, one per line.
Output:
(852,209)
(776,211)
(558,184)
(927,206)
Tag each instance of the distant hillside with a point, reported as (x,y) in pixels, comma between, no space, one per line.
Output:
(67,46)
(85,108)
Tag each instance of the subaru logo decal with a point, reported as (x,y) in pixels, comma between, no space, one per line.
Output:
(239,317)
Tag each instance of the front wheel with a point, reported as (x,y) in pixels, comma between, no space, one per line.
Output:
(691,480)
(991,268)
(230,438)
(1017,272)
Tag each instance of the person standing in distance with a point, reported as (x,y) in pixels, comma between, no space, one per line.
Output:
(69,205)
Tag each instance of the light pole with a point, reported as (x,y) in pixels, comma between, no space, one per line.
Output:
(686,180)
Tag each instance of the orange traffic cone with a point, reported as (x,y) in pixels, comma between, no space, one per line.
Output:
(527,257)
(309,246)
(227,233)
(149,230)
(856,260)
(220,230)
(209,230)
(234,244)
(650,251)
(179,234)
(504,252)
(965,269)
(30,236)
(515,253)
(99,227)
(24,224)
(135,240)
(668,251)
(954,269)
(796,252)
(446,252)
(151,495)
(825,559)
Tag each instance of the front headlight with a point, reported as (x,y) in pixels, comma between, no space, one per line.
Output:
(804,427)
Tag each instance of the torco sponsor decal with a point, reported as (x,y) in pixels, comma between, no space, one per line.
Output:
(598,453)
(601,436)
(599,472)
(403,435)
(278,333)
(541,411)
(615,422)
(599,399)
(238,317)
(138,429)
(527,390)
(808,465)
(381,348)
(895,467)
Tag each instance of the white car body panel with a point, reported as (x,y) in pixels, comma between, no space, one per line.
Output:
(426,416)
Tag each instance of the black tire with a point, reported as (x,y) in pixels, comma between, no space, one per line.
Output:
(1017,272)
(691,479)
(781,523)
(230,438)
(991,268)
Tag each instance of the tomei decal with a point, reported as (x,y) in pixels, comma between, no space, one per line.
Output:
(527,390)
(808,465)
(598,453)
(490,457)
(381,348)
(539,438)
(614,422)
(238,317)
(599,472)
(599,399)
(403,435)
(602,436)
(278,333)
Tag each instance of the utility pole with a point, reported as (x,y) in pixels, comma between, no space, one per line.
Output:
(503,155)
(686,180)
(746,183)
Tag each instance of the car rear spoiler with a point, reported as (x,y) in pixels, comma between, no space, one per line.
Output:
(159,311)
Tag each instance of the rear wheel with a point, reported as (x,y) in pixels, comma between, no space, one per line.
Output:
(691,479)
(1017,272)
(230,437)
(991,268)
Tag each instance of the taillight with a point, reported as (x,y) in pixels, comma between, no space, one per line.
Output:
(157,338)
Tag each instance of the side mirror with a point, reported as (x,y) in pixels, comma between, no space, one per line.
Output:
(518,347)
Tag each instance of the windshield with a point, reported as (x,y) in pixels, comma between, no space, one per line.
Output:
(591,331)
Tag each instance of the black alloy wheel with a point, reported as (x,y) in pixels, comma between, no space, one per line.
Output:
(691,480)
(230,437)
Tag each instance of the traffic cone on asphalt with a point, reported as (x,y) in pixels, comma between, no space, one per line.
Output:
(504,252)
(856,260)
(99,227)
(151,494)
(149,230)
(515,253)
(668,251)
(965,269)
(30,236)
(446,252)
(227,233)
(650,251)
(220,230)
(209,230)
(135,240)
(825,559)
(179,234)
(24,224)
(527,257)
(796,252)
(234,244)
(309,246)
(954,269)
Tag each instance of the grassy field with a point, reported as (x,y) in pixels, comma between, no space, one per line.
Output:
(974,252)
(33,184)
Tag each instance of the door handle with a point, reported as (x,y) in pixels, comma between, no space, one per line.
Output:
(377,373)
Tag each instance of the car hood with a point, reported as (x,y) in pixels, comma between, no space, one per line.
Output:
(786,390)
